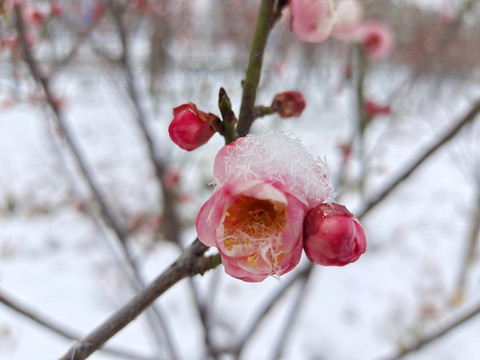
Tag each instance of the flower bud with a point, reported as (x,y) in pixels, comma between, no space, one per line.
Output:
(288,104)
(190,127)
(332,236)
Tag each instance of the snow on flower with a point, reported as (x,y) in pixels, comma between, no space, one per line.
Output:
(311,20)
(264,186)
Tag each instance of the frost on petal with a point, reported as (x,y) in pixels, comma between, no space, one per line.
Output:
(274,157)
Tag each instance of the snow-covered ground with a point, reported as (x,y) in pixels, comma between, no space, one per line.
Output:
(58,260)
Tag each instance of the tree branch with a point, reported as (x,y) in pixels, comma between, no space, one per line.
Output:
(437,334)
(265,21)
(449,135)
(190,263)
(58,329)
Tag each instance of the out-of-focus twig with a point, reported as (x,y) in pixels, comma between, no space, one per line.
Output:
(472,243)
(436,335)
(289,323)
(190,263)
(82,36)
(303,275)
(106,211)
(172,225)
(440,141)
(42,320)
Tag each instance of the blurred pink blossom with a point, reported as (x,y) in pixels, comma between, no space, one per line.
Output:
(333,236)
(311,20)
(265,185)
(376,39)
(190,127)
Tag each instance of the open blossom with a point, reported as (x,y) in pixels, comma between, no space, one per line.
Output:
(288,104)
(311,20)
(333,236)
(190,127)
(376,39)
(264,186)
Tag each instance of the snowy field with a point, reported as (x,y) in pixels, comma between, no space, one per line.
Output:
(58,258)
(55,258)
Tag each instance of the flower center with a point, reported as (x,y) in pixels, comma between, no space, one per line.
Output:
(253,229)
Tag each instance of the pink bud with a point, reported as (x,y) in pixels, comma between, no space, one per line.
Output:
(332,235)
(373,109)
(288,104)
(311,20)
(376,39)
(190,127)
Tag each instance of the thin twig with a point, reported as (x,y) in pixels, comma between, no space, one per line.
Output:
(295,308)
(265,309)
(450,134)
(133,274)
(426,340)
(190,263)
(172,228)
(265,21)
(204,316)
(172,224)
(69,334)
(472,244)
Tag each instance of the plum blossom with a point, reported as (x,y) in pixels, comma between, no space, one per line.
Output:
(190,127)
(264,187)
(311,20)
(376,39)
(288,104)
(333,236)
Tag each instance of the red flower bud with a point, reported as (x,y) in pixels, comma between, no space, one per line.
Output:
(288,104)
(190,127)
(373,109)
(332,235)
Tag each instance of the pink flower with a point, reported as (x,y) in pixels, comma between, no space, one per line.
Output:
(35,15)
(288,104)
(171,178)
(57,9)
(190,127)
(311,20)
(376,39)
(333,236)
(265,185)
